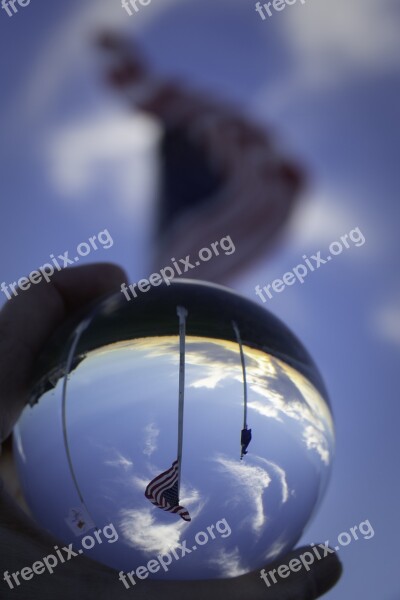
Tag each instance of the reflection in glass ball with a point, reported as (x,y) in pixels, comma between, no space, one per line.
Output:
(137,420)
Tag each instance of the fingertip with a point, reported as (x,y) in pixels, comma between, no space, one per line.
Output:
(320,576)
(327,573)
(303,579)
(83,284)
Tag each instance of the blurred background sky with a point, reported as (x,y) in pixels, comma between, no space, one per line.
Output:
(325,78)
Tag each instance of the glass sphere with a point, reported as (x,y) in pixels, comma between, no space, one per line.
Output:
(187,422)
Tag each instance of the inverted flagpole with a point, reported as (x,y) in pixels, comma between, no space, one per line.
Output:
(163,490)
(77,334)
(245,433)
(239,341)
(182,314)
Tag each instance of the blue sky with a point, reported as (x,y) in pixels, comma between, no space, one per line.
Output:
(121,416)
(326,77)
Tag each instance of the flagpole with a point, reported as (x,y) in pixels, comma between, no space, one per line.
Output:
(77,334)
(239,341)
(182,314)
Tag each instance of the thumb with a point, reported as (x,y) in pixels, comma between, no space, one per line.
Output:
(290,583)
(303,574)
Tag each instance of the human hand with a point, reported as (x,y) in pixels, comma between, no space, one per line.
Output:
(26,323)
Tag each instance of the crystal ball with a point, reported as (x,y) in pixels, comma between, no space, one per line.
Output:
(186,431)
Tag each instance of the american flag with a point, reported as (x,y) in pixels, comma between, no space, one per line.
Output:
(163,492)
(220,171)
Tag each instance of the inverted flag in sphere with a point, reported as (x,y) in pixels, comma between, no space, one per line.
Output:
(245,440)
(163,492)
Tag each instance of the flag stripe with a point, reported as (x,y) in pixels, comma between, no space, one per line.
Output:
(162,491)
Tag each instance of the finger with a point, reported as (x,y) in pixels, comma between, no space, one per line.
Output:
(302,585)
(300,575)
(23,544)
(28,320)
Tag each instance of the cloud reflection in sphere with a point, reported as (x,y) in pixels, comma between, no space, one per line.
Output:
(121,429)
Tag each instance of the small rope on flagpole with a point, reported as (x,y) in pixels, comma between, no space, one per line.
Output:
(239,341)
(77,334)
(182,314)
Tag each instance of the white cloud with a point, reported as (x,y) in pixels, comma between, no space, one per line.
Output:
(333,38)
(229,562)
(151,434)
(325,216)
(267,410)
(386,322)
(122,145)
(308,408)
(319,220)
(278,547)
(315,440)
(281,474)
(120,462)
(333,42)
(253,481)
(141,529)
